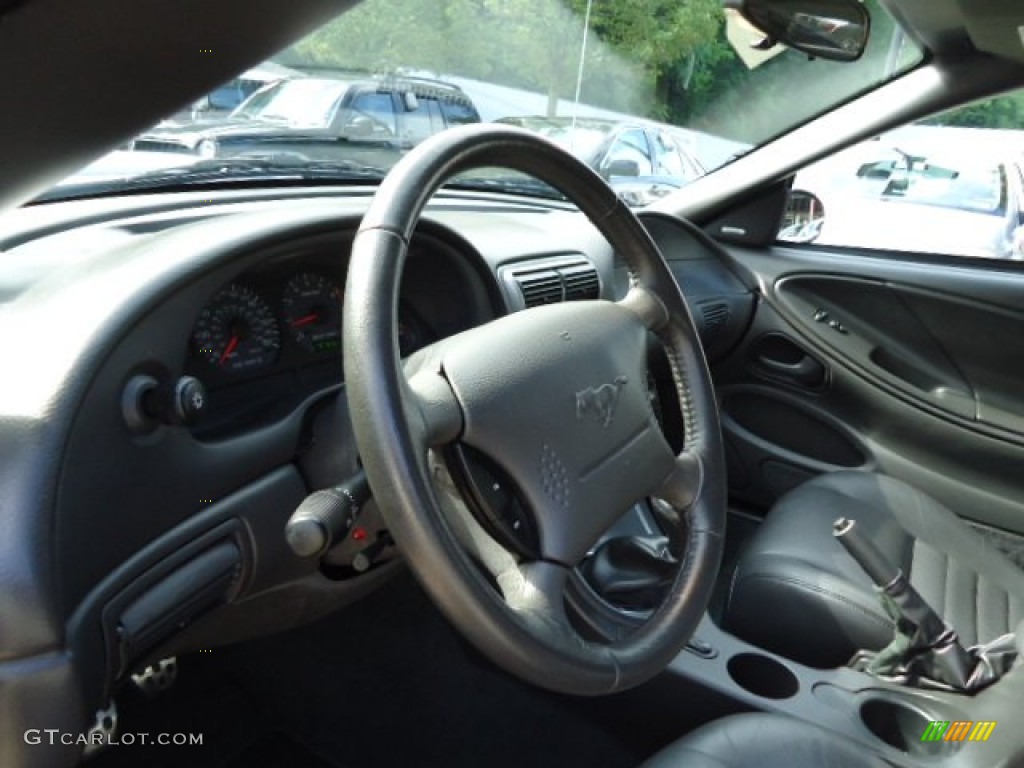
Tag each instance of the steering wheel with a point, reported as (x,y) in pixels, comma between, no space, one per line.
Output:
(553,403)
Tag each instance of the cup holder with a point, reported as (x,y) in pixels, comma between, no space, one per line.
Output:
(762,676)
(901,726)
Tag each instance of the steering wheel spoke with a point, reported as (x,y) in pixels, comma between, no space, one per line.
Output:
(432,398)
(683,483)
(537,588)
(646,305)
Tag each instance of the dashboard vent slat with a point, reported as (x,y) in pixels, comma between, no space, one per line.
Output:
(554,280)
(540,288)
(715,316)
(581,283)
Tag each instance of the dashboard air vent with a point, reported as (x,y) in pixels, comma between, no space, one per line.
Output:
(581,282)
(715,316)
(549,281)
(540,287)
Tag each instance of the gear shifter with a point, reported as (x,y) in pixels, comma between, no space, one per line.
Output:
(934,652)
(632,572)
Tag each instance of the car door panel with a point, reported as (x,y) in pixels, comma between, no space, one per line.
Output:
(921,363)
(869,325)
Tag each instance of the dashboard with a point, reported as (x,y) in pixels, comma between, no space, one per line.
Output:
(169,535)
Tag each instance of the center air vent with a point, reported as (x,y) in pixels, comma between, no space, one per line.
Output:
(540,287)
(550,281)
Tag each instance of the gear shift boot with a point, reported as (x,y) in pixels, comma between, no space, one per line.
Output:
(631,572)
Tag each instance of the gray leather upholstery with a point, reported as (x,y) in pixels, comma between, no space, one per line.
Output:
(764,741)
(795,591)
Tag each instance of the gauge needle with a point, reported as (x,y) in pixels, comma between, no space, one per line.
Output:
(229,350)
(308,319)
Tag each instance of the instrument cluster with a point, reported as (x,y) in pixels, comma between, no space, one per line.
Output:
(271,338)
(267,339)
(279,319)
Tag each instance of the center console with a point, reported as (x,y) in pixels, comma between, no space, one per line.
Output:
(889,719)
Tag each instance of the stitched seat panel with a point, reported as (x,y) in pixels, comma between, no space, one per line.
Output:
(976,607)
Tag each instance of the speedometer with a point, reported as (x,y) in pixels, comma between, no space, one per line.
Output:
(237,331)
(312,309)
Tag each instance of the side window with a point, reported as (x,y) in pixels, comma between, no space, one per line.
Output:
(459,113)
(258,101)
(423,121)
(227,96)
(629,148)
(948,186)
(670,159)
(379,106)
(249,87)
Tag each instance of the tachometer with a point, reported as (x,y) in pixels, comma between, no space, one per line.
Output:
(312,309)
(237,331)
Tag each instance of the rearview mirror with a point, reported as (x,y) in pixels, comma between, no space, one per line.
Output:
(828,29)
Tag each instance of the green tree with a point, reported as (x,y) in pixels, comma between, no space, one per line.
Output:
(385,35)
(664,36)
(634,47)
(1003,112)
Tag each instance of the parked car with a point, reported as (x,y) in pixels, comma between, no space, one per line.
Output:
(926,191)
(642,162)
(225,98)
(358,118)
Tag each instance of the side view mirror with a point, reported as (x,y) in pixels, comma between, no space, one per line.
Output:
(622,167)
(828,29)
(358,126)
(803,219)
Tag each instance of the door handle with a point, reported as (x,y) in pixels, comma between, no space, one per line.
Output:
(807,371)
(778,356)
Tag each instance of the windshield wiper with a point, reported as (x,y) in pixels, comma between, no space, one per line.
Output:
(230,171)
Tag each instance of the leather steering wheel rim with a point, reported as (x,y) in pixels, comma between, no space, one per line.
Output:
(459,389)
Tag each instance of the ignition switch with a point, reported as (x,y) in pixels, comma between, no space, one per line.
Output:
(146,402)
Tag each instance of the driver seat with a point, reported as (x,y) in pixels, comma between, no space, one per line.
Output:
(765,741)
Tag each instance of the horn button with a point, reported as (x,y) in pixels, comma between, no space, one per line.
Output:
(556,397)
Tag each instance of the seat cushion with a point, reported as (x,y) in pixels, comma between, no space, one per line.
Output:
(797,592)
(763,741)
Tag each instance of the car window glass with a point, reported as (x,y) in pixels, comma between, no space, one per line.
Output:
(668,158)
(631,146)
(227,96)
(301,102)
(947,186)
(257,102)
(459,113)
(436,117)
(378,106)
(423,121)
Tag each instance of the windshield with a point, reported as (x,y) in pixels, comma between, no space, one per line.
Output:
(640,89)
(299,102)
(580,136)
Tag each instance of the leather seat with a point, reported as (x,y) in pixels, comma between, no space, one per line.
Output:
(796,591)
(765,741)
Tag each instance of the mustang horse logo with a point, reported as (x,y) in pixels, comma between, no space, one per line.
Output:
(599,402)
